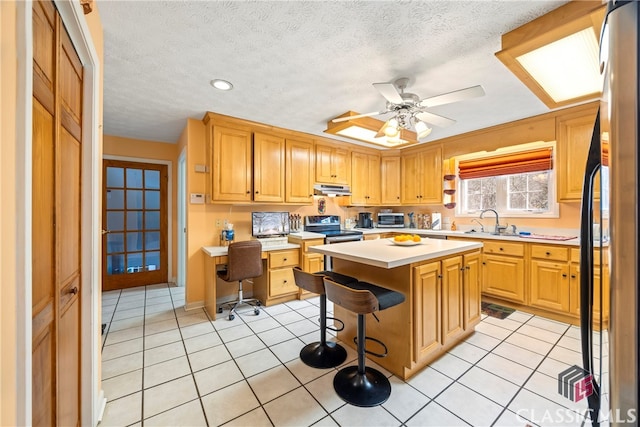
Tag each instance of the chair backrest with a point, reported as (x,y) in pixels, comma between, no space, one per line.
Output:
(309,281)
(359,301)
(245,260)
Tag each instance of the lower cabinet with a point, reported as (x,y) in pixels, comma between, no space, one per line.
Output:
(446,302)
(310,262)
(277,283)
(503,271)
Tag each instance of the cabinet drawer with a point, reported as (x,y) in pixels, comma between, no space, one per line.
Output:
(284,259)
(503,248)
(556,253)
(575,256)
(281,282)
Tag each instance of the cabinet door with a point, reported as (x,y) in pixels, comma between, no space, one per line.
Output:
(503,277)
(472,290)
(410,179)
(373,181)
(340,165)
(427,332)
(359,178)
(268,168)
(390,180)
(452,296)
(550,285)
(574,137)
(574,289)
(312,263)
(299,171)
(324,171)
(431,176)
(232,164)
(574,295)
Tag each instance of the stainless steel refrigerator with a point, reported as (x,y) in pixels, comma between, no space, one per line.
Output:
(609,225)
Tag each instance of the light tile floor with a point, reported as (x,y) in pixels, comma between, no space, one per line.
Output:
(164,366)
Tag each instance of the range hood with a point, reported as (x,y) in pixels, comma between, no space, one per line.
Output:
(331,190)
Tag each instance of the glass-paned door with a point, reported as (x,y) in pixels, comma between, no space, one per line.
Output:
(134,222)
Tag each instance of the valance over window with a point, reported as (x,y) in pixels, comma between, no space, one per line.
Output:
(506,164)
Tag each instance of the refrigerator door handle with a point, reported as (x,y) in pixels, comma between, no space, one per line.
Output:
(586,267)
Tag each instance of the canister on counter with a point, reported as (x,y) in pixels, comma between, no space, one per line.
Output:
(436,221)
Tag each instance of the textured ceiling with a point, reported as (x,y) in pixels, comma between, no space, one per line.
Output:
(297,64)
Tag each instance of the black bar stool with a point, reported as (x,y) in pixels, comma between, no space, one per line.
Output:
(322,354)
(361,385)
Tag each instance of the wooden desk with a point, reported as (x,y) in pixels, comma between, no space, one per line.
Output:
(274,286)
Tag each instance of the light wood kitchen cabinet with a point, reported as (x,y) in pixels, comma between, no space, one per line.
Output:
(277,283)
(574,295)
(299,171)
(390,180)
(421,177)
(550,287)
(365,179)
(332,164)
(503,270)
(231,164)
(452,299)
(573,134)
(472,289)
(268,167)
(311,262)
(427,291)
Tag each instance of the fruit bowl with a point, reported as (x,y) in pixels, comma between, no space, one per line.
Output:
(405,243)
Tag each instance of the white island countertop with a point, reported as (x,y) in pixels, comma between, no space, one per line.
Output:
(386,254)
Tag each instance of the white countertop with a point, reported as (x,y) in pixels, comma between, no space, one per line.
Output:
(384,253)
(214,251)
(476,235)
(306,235)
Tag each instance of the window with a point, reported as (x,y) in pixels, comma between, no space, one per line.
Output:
(529,190)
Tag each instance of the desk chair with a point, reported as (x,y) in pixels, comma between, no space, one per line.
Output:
(245,262)
(360,385)
(322,354)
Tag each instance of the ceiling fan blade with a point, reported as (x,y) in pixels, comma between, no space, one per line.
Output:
(435,119)
(455,96)
(389,91)
(345,118)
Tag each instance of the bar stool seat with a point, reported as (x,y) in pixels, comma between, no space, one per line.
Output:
(360,385)
(322,354)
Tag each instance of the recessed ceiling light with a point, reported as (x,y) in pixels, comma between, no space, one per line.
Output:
(221,84)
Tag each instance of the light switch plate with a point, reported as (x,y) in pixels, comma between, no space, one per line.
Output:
(197,199)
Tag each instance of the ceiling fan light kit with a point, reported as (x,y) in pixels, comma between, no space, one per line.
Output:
(409,111)
(367,129)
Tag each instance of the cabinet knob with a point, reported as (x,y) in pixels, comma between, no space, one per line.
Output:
(502,249)
(439,276)
(484,263)
(284,259)
(564,275)
(573,276)
(257,192)
(462,268)
(248,192)
(468,268)
(547,253)
(284,281)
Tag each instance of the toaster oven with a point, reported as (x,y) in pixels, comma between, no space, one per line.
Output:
(391,220)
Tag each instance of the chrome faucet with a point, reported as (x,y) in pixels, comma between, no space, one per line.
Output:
(479,223)
(497,229)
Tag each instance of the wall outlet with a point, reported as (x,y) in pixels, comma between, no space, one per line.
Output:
(218,223)
(226,221)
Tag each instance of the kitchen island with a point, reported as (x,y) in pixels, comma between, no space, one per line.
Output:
(440,280)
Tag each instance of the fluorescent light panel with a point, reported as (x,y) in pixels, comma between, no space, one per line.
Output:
(367,135)
(567,68)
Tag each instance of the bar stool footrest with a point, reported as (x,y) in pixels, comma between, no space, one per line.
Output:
(321,356)
(386,350)
(369,389)
(339,328)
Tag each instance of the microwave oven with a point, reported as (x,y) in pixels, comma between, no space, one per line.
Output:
(390,219)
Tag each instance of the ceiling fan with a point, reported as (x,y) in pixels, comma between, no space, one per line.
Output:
(410,110)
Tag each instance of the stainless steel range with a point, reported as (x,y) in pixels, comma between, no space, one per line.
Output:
(329,225)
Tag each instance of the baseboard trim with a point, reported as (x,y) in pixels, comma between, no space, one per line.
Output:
(194,305)
(103,405)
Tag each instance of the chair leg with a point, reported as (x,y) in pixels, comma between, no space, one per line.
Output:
(360,385)
(253,302)
(323,354)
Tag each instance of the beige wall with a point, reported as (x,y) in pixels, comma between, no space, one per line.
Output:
(141,150)
(8,262)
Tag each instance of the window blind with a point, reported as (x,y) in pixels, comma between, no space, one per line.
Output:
(506,164)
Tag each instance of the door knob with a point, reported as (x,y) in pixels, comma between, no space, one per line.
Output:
(74,290)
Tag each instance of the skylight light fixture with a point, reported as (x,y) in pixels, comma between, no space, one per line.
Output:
(556,55)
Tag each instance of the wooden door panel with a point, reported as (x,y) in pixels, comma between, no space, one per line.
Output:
(299,173)
(69,219)
(427,310)
(68,411)
(44,208)
(44,42)
(268,158)
(452,307)
(232,164)
(472,290)
(550,286)
(43,382)
(503,277)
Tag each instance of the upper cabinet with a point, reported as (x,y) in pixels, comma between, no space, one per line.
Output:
(421,177)
(299,171)
(390,180)
(365,179)
(332,164)
(230,164)
(573,135)
(268,167)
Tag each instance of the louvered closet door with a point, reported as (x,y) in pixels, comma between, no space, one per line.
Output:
(56,221)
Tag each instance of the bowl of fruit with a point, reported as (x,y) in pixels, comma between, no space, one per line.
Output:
(406,240)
